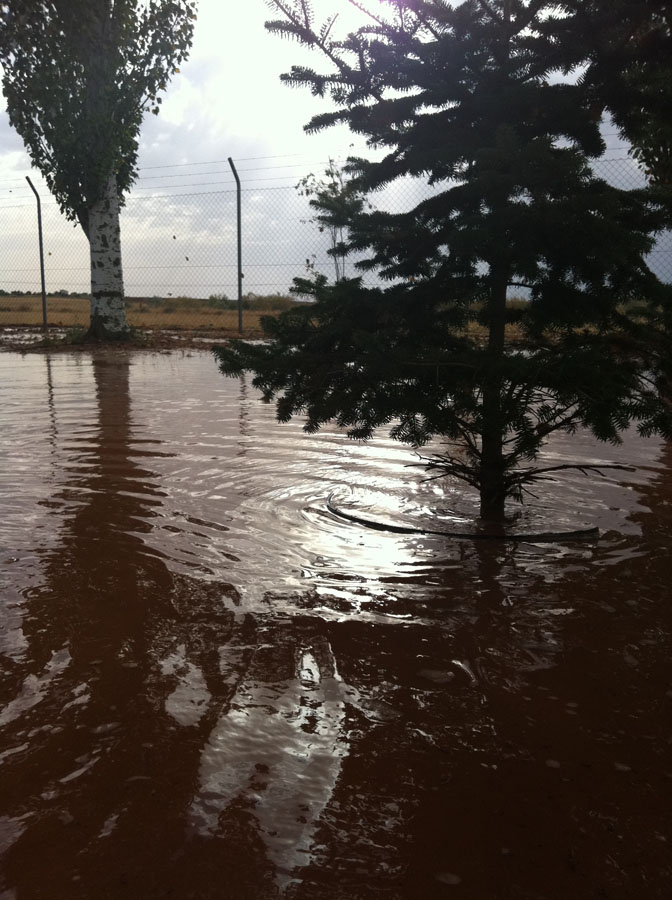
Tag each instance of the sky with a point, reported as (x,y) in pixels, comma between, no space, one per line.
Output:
(179,224)
(229,94)
(227,101)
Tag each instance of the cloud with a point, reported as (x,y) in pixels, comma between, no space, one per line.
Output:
(10,142)
(227,101)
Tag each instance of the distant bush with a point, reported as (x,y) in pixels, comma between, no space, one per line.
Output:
(221,301)
(76,335)
(252,301)
(271,302)
(172,304)
(517,303)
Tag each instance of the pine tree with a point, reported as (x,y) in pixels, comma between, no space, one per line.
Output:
(461,97)
(625,50)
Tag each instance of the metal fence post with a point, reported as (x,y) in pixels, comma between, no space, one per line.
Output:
(39,229)
(240,249)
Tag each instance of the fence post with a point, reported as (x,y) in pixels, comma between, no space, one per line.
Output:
(39,229)
(240,249)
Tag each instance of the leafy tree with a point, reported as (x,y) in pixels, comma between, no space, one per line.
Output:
(336,201)
(78,76)
(461,96)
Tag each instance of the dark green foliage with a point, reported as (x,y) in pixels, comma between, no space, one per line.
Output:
(336,202)
(628,47)
(461,97)
(78,76)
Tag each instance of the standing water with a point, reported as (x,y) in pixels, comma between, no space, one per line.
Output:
(214,687)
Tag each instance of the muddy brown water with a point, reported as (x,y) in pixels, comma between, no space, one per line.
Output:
(212,687)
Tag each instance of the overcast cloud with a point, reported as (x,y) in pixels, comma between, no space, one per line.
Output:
(178,227)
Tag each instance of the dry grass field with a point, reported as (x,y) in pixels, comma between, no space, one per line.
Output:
(174,314)
(180,313)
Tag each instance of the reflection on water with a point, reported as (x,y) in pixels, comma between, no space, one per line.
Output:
(277,749)
(212,687)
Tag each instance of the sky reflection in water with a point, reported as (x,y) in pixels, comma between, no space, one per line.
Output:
(208,678)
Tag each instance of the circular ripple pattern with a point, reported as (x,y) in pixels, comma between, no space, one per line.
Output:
(210,678)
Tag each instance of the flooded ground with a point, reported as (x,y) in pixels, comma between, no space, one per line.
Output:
(212,687)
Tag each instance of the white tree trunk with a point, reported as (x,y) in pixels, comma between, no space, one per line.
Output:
(108,311)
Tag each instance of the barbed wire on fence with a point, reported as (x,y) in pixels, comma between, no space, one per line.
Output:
(180,241)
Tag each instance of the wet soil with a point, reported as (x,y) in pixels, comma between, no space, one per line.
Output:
(213,687)
(24,340)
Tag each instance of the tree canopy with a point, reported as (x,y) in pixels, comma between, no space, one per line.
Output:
(78,76)
(624,48)
(467,98)
(335,201)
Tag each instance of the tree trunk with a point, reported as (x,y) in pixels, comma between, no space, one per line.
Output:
(492,493)
(108,310)
(492,490)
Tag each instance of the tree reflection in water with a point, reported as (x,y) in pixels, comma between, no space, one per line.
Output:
(486,720)
(106,775)
(276,753)
(140,684)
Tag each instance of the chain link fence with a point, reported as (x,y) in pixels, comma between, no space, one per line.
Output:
(180,252)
